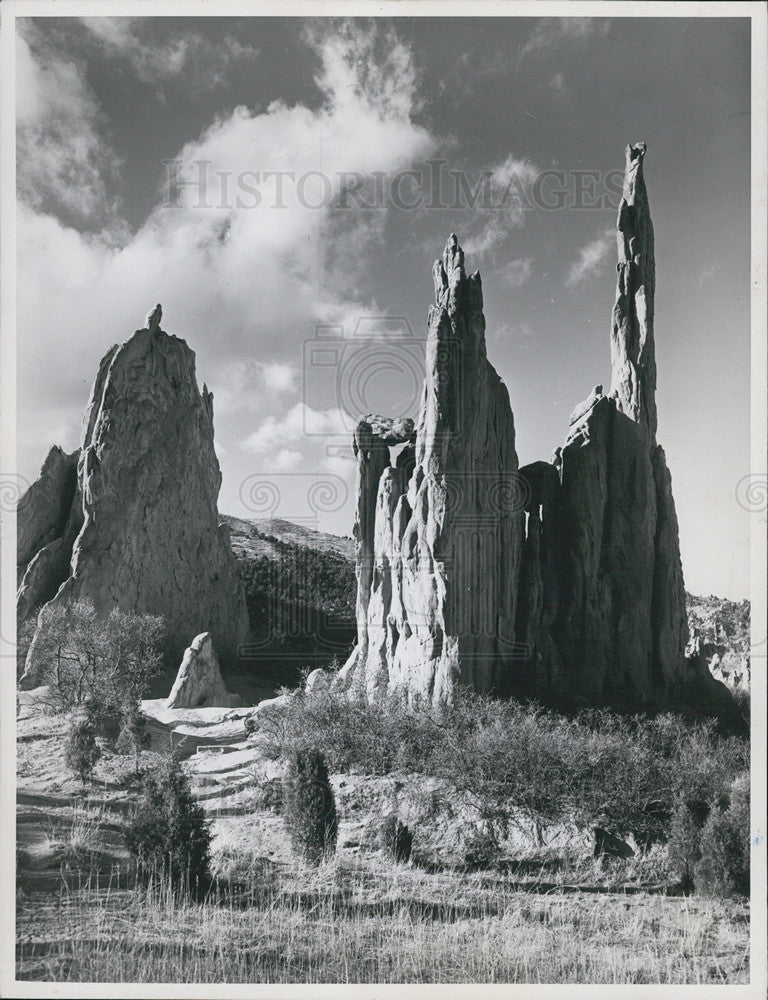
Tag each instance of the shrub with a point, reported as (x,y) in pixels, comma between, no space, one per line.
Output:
(723,867)
(167,833)
(309,808)
(81,749)
(684,850)
(133,736)
(395,839)
(521,762)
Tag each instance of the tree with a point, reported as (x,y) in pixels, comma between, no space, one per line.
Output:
(86,655)
(723,866)
(81,749)
(133,736)
(167,833)
(309,808)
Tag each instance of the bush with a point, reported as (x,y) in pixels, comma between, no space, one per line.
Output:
(81,749)
(309,808)
(133,736)
(723,867)
(395,839)
(167,833)
(684,849)
(521,762)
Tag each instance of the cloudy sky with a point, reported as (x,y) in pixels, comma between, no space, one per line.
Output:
(277,183)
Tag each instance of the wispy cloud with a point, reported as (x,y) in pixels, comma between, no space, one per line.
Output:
(517,272)
(134,40)
(301,424)
(510,185)
(591,258)
(551,32)
(557,84)
(265,283)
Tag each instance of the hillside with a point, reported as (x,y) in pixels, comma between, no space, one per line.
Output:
(300,594)
(720,633)
(256,536)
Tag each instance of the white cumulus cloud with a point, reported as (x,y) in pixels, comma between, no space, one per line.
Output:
(236,280)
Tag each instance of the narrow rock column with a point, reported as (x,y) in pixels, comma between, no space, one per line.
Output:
(633,352)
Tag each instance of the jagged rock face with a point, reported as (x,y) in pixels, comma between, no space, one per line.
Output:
(48,518)
(199,683)
(43,576)
(439,533)
(621,625)
(605,525)
(148,537)
(42,512)
(720,639)
(633,349)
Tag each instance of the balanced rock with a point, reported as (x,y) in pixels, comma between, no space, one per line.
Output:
(144,516)
(439,533)
(199,683)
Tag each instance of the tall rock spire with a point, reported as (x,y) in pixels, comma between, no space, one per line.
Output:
(580,600)
(443,525)
(633,353)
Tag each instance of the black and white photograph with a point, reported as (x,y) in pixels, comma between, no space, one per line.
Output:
(383,453)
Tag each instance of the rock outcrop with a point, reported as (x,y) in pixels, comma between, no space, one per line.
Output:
(720,639)
(48,519)
(41,514)
(199,683)
(143,528)
(580,599)
(617,618)
(439,532)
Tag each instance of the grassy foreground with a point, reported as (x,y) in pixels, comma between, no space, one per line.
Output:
(538,908)
(394,924)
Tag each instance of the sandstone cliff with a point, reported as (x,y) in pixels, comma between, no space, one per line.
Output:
(439,532)
(143,527)
(720,639)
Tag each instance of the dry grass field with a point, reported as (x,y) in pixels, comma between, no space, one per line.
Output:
(549,915)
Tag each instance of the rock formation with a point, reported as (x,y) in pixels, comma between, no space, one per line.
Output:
(720,639)
(615,629)
(580,600)
(439,532)
(48,518)
(142,528)
(41,514)
(199,683)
